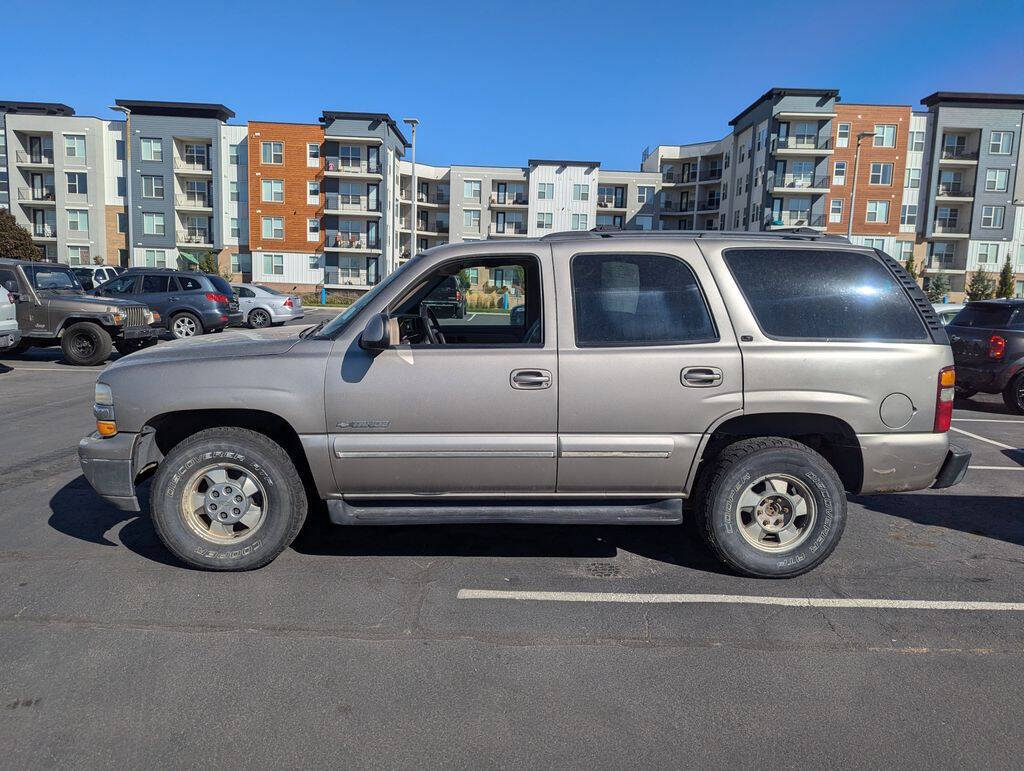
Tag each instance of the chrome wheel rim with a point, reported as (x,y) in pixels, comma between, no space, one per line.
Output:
(224,503)
(259,318)
(776,513)
(184,327)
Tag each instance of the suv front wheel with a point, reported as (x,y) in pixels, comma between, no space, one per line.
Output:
(227,499)
(771,507)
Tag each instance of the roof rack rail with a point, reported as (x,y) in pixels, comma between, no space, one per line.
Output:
(801,234)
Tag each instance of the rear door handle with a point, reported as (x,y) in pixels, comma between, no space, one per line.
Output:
(701,377)
(530,379)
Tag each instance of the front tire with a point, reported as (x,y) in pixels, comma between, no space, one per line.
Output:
(227,499)
(771,508)
(185,325)
(1013,395)
(86,344)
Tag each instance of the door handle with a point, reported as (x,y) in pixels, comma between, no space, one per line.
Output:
(530,379)
(701,377)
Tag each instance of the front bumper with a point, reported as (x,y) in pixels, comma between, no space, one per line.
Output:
(140,333)
(9,338)
(987,378)
(107,464)
(898,462)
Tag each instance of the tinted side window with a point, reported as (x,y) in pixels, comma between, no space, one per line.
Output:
(121,285)
(155,283)
(188,283)
(241,291)
(9,281)
(824,294)
(983,316)
(637,299)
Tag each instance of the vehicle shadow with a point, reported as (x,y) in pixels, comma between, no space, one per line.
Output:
(988,407)
(991,516)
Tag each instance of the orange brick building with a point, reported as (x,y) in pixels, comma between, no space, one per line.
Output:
(285,204)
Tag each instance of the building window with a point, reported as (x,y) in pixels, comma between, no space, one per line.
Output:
(78,183)
(78,220)
(232,191)
(916,145)
(313,154)
(74,146)
(272,152)
(152,186)
(875,243)
(236,264)
(121,187)
(644,222)
(839,173)
(878,211)
(349,157)
(471,217)
(195,155)
(843,135)
(153,223)
(581,192)
(881,174)
(988,254)
(234,231)
(908,214)
(579,222)
(544,220)
(996,180)
(122,222)
(273,227)
(78,255)
(947,217)
(273,190)
(313,192)
(155,258)
(912,178)
(904,250)
(546,191)
(471,190)
(152,149)
(992,216)
(644,194)
(118,149)
(1000,142)
(233,155)
(273,264)
(314,262)
(885,135)
(835,210)
(312,229)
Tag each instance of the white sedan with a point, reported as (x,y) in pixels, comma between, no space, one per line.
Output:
(262,306)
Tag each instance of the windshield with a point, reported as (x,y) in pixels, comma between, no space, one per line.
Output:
(267,289)
(993,316)
(51,277)
(341,320)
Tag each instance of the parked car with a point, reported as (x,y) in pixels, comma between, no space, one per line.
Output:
(9,332)
(947,311)
(262,306)
(988,345)
(53,309)
(448,301)
(750,379)
(190,303)
(91,276)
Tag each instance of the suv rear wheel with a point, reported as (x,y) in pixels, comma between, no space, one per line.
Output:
(227,499)
(1013,394)
(86,344)
(771,507)
(186,325)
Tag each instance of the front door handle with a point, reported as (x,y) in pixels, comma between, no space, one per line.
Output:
(530,379)
(701,377)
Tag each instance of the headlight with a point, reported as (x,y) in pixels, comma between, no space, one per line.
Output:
(118,318)
(104,395)
(150,317)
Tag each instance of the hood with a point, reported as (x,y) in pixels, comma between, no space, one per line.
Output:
(230,345)
(82,300)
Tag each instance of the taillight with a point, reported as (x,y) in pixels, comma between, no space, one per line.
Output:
(288,303)
(996,346)
(944,394)
(216,297)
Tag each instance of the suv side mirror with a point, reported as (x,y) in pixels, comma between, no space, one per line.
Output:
(375,336)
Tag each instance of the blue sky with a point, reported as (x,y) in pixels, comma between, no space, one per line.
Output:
(499,83)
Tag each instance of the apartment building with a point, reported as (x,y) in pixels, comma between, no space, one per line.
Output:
(235,258)
(176,154)
(286,203)
(693,194)
(56,180)
(115,189)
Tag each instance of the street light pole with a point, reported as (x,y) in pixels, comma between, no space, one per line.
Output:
(861,136)
(127,177)
(414,122)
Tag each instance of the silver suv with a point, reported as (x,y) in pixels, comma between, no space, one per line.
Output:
(750,381)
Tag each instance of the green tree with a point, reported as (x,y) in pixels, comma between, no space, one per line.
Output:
(1006,277)
(16,241)
(938,288)
(208,263)
(980,286)
(911,267)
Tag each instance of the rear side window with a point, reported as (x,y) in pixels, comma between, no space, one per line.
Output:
(221,285)
(824,294)
(637,299)
(983,316)
(188,283)
(151,284)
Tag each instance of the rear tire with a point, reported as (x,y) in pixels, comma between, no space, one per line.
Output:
(771,508)
(259,318)
(185,325)
(1013,394)
(86,344)
(221,465)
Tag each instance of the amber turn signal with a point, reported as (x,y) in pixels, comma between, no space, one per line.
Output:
(106,427)
(947,378)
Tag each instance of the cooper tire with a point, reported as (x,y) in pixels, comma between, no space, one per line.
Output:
(85,344)
(1013,395)
(778,476)
(249,454)
(185,325)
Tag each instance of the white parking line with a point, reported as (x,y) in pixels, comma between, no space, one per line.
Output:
(983,439)
(986,420)
(471,317)
(70,371)
(997,468)
(736,599)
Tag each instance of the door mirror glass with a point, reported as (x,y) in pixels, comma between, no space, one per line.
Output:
(375,336)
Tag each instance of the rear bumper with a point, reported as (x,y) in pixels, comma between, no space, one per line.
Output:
(9,338)
(895,462)
(276,314)
(988,378)
(107,464)
(954,468)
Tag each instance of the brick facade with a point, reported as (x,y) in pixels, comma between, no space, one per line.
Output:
(116,240)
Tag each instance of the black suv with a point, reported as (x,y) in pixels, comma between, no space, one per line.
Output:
(189,303)
(988,347)
(448,301)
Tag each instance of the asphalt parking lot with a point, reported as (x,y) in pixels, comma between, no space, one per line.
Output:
(492,645)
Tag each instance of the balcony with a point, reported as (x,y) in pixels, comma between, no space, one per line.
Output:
(47,232)
(683,207)
(951,228)
(805,183)
(337,167)
(708,206)
(44,158)
(507,229)
(795,219)
(344,241)
(195,202)
(802,144)
(954,192)
(710,175)
(38,194)
(509,199)
(957,154)
(197,167)
(426,200)
(193,237)
(337,203)
(944,264)
(610,203)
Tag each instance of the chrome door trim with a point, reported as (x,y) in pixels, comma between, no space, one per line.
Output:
(615,446)
(383,445)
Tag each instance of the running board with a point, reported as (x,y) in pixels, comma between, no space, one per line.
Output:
(667,511)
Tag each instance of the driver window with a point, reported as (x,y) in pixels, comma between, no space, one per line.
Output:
(476,302)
